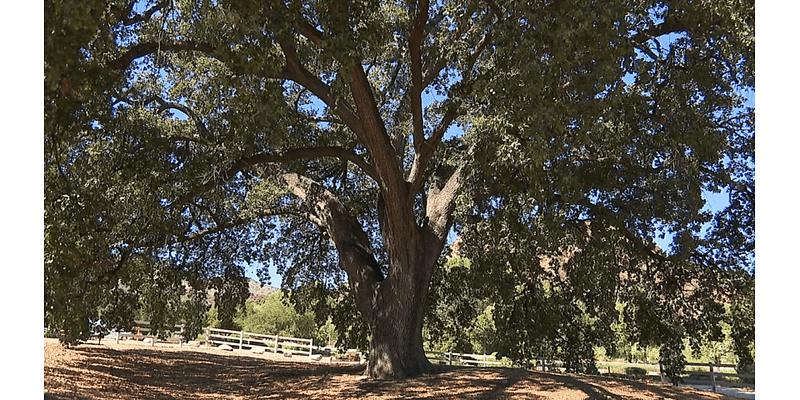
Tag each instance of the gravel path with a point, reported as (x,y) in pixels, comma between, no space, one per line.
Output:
(137,371)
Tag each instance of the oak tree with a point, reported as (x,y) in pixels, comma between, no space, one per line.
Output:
(348,140)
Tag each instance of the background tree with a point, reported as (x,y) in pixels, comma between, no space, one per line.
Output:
(454,304)
(273,316)
(742,321)
(185,139)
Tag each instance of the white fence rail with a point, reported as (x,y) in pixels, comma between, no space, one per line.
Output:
(709,374)
(714,374)
(141,331)
(288,346)
(469,359)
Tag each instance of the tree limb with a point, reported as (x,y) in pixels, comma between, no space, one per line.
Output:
(105,276)
(611,218)
(289,155)
(143,49)
(352,243)
(127,21)
(296,72)
(441,202)
(621,161)
(427,149)
(428,77)
(164,105)
(375,137)
(415,49)
(664,28)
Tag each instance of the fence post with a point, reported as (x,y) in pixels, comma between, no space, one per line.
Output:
(208,335)
(117,336)
(713,380)
(276,346)
(310,349)
(241,339)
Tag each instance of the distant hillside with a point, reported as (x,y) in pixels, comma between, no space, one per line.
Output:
(259,291)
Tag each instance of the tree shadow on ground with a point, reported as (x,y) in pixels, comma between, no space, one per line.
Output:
(501,383)
(145,373)
(597,387)
(153,373)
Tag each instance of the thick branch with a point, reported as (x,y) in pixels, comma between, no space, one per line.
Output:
(641,46)
(430,74)
(375,137)
(426,150)
(495,9)
(144,49)
(441,203)
(290,155)
(611,218)
(296,72)
(625,163)
(105,277)
(221,226)
(415,49)
(666,27)
(350,240)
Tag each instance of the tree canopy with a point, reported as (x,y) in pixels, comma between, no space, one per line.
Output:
(347,141)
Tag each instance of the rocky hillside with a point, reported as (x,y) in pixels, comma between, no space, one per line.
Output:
(259,291)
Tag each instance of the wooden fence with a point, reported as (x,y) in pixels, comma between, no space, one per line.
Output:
(287,346)
(141,331)
(468,359)
(711,377)
(710,374)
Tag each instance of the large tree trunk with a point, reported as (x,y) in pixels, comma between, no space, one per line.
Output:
(396,349)
(397,304)
(392,306)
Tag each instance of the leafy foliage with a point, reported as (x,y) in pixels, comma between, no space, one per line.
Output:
(457,319)
(335,314)
(741,319)
(560,139)
(273,316)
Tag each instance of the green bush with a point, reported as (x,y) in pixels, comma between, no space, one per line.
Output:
(272,315)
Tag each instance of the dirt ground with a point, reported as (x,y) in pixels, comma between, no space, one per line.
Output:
(133,370)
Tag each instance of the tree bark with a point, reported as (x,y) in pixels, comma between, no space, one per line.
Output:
(398,308)
(396,349)
(392,306)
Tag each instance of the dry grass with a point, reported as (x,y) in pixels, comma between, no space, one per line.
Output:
(138,371)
